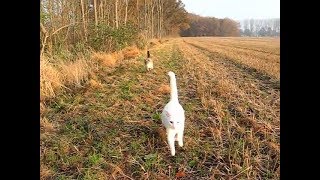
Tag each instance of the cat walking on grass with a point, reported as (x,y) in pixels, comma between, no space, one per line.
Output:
(173,117)
(148,62)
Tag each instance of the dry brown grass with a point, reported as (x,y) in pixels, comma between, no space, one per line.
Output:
(232,119)
(235,96)
(45,172)
(164,89)
(274,146)
(95,84)
(218,108)
(57,76)
(75,73)
(130,52)
(262,59)
(50,79)
(64,146)
(162,134)
(105,59)
(119,56)
(42,108)
(153,42)
(46,125)
(225,88)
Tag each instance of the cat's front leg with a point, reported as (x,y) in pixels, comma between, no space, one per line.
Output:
(170,136)
(180,138)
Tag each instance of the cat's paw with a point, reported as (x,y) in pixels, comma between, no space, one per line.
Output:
(180,143)
(173,153)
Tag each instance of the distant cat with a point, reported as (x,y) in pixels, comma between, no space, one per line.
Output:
(173,117)
(148,62)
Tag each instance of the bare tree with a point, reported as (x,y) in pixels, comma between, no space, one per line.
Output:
(84,20)
(78,21)
(126,13)
(95,12)
(116,13)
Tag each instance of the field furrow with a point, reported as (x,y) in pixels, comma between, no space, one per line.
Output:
(269,68)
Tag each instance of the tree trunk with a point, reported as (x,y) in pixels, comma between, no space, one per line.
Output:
(160,19)
(152,8)
(100,12)
(84,21)
(145,15)
(138,14)
(116,13)
(95,12)
(126,15)
(44,31)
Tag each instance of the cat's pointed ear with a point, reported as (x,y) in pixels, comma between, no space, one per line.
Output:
(167,114)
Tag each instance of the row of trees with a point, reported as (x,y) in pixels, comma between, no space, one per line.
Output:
(260,27)
(107,24)
(211,26)
(110,25)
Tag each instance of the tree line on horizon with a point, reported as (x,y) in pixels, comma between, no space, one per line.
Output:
(260,27)
(110,25)
(210,26)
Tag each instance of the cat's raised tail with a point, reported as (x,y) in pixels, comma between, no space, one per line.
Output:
(173,86)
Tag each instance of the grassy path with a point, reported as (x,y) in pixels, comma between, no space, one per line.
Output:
(113,130)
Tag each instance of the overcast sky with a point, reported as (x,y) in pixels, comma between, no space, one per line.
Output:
(234,9)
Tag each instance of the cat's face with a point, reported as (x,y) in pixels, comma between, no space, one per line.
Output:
(171,74)
(175,124)
(148,60)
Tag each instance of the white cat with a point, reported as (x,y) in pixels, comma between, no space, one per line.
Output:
(149,62)
(173,116)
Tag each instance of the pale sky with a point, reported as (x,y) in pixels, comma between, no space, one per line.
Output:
(234,9)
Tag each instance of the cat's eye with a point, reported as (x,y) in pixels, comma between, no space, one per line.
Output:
(171,122)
